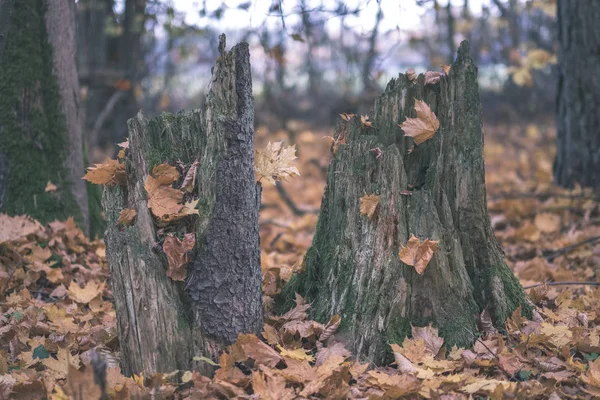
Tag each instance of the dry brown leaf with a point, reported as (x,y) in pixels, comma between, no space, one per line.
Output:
(424,126)
(418,253)
(87,293)
(165,174)
(249,346)
(126,216)
(547,222)
(403,363)
(368,205)
(364,121)
(410,74)
(189,182)
(110,172)
(20,226)
(176,251)
(273,162)
(430,336)
(433,77)
(347,116)
(81,384)
(446,68)
(162,200)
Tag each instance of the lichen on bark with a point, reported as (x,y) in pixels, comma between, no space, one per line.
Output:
(353,268)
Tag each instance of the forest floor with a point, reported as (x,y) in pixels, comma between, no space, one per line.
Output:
(57,305)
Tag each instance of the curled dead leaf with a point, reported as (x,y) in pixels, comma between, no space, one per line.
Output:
(418,253)
(424,126)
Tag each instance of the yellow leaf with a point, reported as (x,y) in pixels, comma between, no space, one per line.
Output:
(446,68)
(273,162)
(417,253)
(126,216)
(297,354)
(368,205)
(87,293)
(50,187)
(162,199)
(424,126)
(539,58)
(522,76)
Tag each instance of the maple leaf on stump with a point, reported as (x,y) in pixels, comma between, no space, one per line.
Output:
(273,162)
(424,126)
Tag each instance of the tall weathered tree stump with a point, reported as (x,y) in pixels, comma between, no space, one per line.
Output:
(435,191)
(163,324)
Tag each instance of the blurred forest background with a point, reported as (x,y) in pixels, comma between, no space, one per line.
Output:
(311,59)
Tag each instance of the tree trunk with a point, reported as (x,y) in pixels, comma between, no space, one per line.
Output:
(578,120)
(163,325)
(353,268)
(39,119)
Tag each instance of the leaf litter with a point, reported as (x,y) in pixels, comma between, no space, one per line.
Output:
(57,315)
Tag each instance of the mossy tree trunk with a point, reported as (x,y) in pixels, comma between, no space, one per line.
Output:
(40,131)
(578,120)
(163,324)
(435,191)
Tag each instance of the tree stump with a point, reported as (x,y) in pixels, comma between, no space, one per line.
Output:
(163,324)
(435,191)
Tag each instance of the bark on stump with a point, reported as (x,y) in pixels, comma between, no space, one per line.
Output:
(578,120)
(162,324)
(353,268)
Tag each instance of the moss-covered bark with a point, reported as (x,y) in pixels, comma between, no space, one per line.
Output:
(163,324)
(33,131)
(353,268)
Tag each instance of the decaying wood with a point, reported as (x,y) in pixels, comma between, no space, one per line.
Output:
(353,268)
(162,324)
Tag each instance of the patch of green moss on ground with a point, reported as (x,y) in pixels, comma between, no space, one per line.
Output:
(34,138)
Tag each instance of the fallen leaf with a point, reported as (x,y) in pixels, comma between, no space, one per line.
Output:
(368,205)
(433,77)
(176,251)
(418,253)
(87,293)
(17,227)
(347,116)
(165,174)
(547,222)
(110,172)
(410,74)
(249,346)
(126,216)
(446,68)
(424,126)
(273,162)
(364,120)
(50,187)
(430,336)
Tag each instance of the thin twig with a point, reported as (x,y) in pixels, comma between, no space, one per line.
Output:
(106,111)
(551,255)
(562,283)
(290,203)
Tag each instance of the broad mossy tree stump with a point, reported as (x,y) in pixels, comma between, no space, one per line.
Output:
(353,268)
(163,324)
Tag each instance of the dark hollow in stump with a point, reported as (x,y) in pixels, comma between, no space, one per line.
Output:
(353,268)
(163,324)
